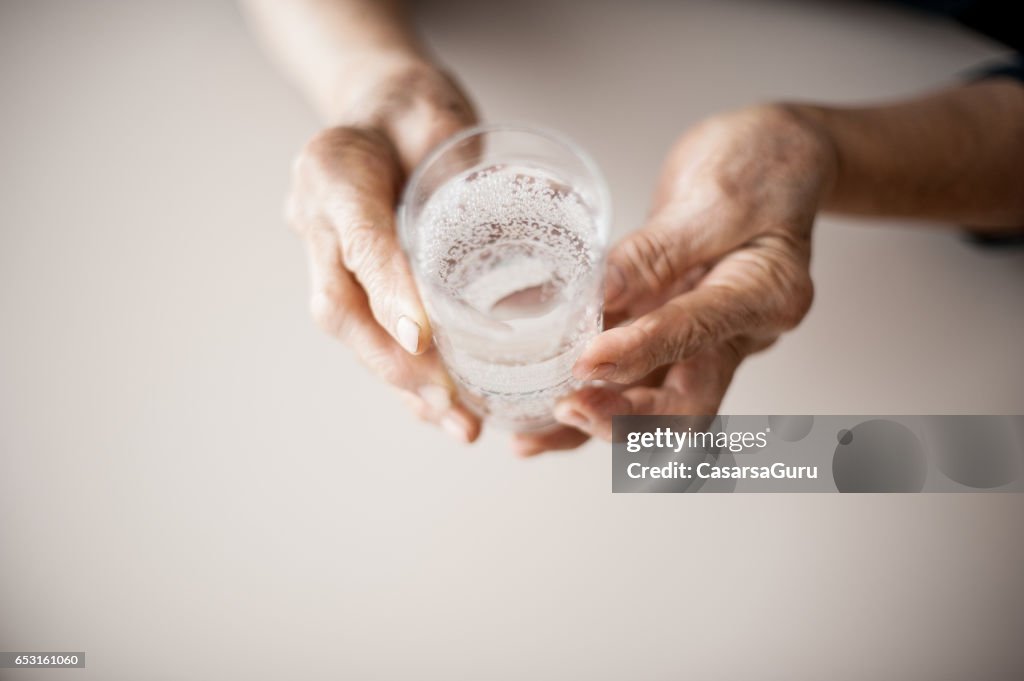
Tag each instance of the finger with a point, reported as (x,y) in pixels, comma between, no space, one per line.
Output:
(749,293)
(460,423)
(680,236)
(358,177)
(455,419)
(673,332)
(591,409)
(339,307)
(561,438)
(416,404)
(694,387)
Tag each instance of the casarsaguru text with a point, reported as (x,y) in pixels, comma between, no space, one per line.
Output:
(709,471)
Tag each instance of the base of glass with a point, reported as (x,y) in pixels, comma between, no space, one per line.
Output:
(506,414)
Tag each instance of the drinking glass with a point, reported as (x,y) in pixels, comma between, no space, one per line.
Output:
(506,229)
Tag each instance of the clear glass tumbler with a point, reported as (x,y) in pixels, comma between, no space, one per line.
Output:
(506,229)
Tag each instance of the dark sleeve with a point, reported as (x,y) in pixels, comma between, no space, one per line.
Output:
(1012,68)
(998,19)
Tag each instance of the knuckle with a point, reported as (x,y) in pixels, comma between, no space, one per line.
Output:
(361,251)
(792,280)
(801,296)
(651,255)
(455,111)
(330,142)
(333,150)
(783,272)
(694,336)
(726,189)
(654,347)
(691,333)
(419,85)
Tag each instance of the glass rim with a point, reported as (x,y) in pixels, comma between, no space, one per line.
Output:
(602,194)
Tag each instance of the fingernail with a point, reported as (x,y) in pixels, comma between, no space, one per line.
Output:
(615,283)
(571,417)
(409,334)
(601,371)
(454,426)
(436,396)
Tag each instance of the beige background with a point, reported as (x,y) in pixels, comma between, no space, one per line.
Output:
(195,484)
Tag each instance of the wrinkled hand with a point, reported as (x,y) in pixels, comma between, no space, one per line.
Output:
(346,183)
(718,272)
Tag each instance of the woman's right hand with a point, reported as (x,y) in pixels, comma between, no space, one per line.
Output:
(345,186)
